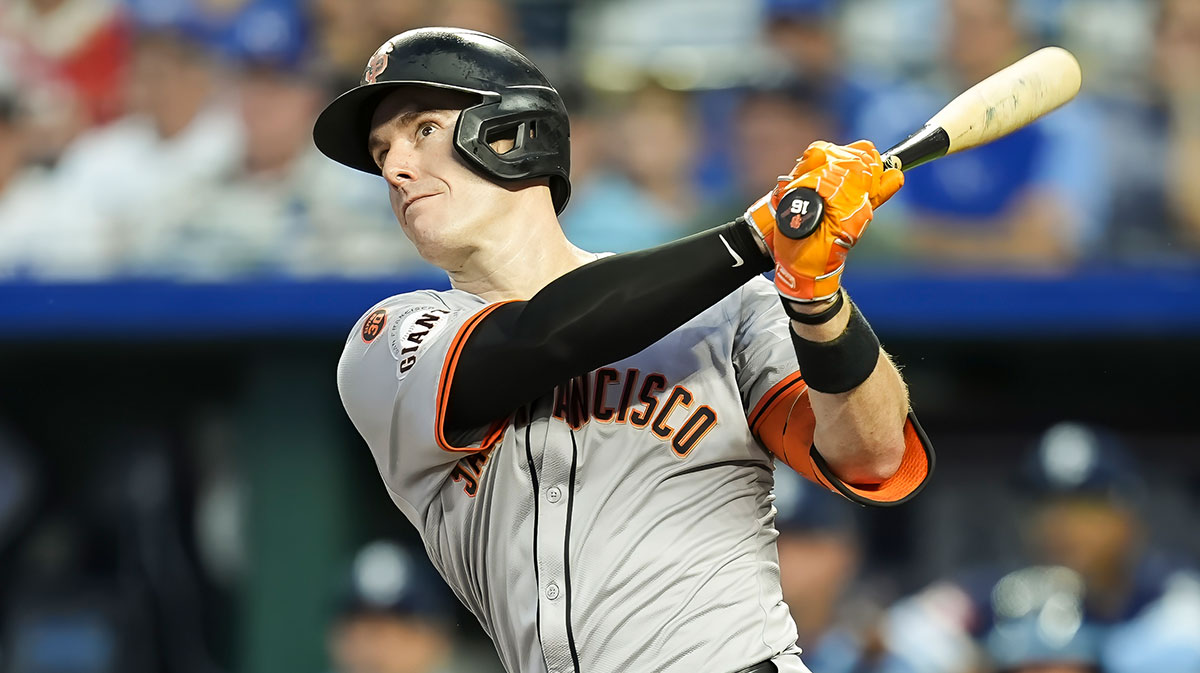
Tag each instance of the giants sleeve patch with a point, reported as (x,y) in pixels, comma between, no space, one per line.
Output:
(374,324)
(411,329)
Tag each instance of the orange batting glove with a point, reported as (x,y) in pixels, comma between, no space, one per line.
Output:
(761,214)
(812,219)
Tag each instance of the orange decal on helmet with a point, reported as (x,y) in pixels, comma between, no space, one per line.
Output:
(377,64)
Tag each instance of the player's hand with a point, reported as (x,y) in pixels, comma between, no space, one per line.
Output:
(761,214)
(852,182)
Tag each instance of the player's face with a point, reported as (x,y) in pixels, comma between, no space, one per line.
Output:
(446,209)
(815,570)
(1092,537)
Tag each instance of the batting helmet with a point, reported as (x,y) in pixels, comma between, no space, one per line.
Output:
(514,97)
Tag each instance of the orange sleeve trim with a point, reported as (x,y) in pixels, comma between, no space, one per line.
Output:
(773,398)
(783,421)
(915,468)
(443,395)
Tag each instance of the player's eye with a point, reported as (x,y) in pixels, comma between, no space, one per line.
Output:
(426,129)
(379,159)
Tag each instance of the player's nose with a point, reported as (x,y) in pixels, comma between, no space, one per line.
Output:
(399,168)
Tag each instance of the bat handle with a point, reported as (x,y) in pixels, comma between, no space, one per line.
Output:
(927,144)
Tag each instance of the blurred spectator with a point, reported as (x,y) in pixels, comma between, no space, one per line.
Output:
(283,208)
(1111,38)
(12,150)
(19,487)
(112,188)
(684,45)
(81,43)
(104,582)
(24,194)
(229,29)
(805,34)
(390,18)
(647,194)
(1094,578)
(494,17)
(819,556)
(1039,626)
(1031,199)
(348,32)
(67,612)
(1156,202)
(344,29)
(397,619)
(588,139)
(772,124)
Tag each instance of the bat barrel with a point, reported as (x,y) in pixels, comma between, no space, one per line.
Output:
(994,107)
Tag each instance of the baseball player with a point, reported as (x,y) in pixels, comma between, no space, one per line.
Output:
(586,442)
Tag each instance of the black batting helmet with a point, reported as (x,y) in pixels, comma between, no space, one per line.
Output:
(514,98)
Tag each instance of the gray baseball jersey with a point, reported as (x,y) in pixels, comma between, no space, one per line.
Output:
(621,522)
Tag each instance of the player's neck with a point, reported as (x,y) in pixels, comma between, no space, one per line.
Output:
(517,267)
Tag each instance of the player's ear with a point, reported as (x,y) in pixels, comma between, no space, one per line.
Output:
(503,140)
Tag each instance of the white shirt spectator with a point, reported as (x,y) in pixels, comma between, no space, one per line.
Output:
(315,219)
(123,180)
(75,247)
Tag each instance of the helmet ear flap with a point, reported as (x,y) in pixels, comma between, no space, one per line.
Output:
(514,133)
(539,138)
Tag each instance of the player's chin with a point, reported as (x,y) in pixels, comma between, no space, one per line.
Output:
(418,226)
(439,243)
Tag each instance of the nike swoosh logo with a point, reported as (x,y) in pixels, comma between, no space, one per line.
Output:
(737,259)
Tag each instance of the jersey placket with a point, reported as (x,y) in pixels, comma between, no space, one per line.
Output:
(553,537)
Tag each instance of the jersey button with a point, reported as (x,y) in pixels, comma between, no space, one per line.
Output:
(554,494)
(552,591)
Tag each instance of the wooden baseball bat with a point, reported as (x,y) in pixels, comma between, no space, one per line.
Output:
(1004,102)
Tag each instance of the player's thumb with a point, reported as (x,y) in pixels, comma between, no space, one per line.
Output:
(889,183)
(812,159)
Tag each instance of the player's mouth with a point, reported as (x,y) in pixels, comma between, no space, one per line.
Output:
(408,202)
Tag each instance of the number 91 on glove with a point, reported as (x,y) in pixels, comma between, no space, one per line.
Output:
(821,210)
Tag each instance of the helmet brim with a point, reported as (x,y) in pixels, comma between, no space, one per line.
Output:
(344,126)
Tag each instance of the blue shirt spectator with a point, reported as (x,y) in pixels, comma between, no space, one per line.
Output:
(819,561)
(645,191)
(1106,599)
(1036,198)
(397,614)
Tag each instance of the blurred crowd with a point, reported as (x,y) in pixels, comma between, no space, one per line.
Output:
(171,138)
(1086,591)
(123,582)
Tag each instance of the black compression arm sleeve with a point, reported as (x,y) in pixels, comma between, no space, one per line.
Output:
(595,315)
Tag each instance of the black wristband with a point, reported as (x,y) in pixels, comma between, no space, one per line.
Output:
(818,318)
(842,364)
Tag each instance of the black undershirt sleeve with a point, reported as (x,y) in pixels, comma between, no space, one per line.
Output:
(595,315)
